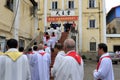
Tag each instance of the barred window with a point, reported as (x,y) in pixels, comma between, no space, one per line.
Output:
(71,4)
(92,23)
(9,4)
(91,3)
(92,46)
(21,43)
(54,5)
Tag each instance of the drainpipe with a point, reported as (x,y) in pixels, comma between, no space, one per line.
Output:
(99,23)
(80,26)
(17,19)
(104,21)
(45,14)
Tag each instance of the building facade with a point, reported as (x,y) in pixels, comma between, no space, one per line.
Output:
(17,21)
(88,15)
(113,29)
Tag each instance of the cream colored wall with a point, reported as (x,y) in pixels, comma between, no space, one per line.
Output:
(111,42)
(6,19)
(26,27)
(40,14)
(91,34)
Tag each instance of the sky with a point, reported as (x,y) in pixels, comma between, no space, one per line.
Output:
(111,3)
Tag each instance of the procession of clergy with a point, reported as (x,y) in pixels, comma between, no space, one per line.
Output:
(35,64)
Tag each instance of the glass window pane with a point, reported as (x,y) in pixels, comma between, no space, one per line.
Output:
(92,46)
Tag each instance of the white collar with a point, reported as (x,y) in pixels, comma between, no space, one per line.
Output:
(105,54)
(12,49)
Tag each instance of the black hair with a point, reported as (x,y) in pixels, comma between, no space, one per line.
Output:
(45,44)
(103,46)
(35,43)
(59,46)
(46,33)
(35,48)
(30,49)
(12,43)
(21,49)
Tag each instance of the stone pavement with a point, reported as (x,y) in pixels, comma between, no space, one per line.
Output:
(90,65)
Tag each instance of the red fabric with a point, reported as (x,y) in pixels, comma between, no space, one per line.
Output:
(74,25)
(75,56)
(44,35)
(98,65)
(47,40)
(42,53)
(30,52)
(45,47)
(53,36)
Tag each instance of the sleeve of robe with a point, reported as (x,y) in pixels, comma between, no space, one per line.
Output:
(56,64)
(28,70)
(103,69)
(1,68)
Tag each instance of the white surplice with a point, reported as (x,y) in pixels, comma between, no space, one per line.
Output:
(40,66)
(48,50)
(53,40)
(57,62)
(14,70)
(70,69)
(105,71)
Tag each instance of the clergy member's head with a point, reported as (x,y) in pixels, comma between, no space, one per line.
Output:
(58,47)
(12,43)
(41,46)
(102,48)
(69,44)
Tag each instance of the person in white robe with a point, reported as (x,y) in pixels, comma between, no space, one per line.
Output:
(55,32)
(48,41)
(48,30)
(59,33)
(71,67)
(104,70)
(32,66)
(60,54)
(29,54)
(41,64)
(53,39)
(51,30)
(13,64)
(47,49)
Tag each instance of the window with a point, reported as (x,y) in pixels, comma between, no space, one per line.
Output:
(21,43)
(91,3)
(9,4)
(33,9)
(71,4)
(92,23)
(54,5)
(92,46)
(2,43)
(114,30)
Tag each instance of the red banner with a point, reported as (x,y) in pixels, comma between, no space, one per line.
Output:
(62,18)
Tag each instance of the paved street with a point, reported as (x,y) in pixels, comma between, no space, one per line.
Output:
(91,65)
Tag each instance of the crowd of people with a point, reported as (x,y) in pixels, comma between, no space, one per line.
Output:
(35,64)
